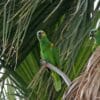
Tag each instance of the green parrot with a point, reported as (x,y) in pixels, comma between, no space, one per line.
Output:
(50,54)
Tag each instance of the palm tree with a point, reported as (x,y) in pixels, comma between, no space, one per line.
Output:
(86,86)
(67,24)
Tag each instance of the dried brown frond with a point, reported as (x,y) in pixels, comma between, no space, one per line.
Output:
(87,85)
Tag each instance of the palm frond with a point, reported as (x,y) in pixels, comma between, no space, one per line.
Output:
(87,85)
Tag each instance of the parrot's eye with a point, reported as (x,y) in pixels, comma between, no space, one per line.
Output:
(39,32)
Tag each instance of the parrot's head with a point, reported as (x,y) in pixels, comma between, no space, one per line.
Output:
(41,35)
(96,34)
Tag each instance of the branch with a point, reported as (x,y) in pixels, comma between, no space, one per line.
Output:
(4,75)
(58,71)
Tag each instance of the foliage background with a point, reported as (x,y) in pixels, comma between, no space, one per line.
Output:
(67,23)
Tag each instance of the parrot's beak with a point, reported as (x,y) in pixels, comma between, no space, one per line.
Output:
(41,34)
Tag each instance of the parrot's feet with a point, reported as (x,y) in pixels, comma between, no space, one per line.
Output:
(43,62)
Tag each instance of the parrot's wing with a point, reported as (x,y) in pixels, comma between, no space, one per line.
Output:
(56,77)
(56,55)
